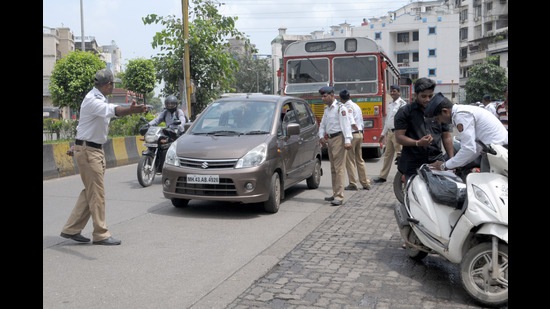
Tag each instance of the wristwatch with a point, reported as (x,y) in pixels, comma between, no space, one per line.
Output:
(443,167)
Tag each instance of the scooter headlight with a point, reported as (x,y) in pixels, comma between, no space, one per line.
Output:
(481,196)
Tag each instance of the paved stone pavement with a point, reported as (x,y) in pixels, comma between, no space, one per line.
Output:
(354,259)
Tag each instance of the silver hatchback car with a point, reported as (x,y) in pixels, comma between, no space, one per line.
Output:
(245,149)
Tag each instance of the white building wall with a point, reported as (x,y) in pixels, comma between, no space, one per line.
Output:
(445,43)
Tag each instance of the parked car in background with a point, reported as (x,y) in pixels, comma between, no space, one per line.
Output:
(245,149)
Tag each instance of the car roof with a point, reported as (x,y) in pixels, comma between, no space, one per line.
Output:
(258,97)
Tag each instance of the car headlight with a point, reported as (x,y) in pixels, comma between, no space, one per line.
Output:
(254,157)
(171,157)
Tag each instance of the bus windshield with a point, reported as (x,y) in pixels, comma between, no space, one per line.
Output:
(357,74)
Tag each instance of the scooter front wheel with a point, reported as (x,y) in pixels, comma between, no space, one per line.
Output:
(477,276)
(146,171)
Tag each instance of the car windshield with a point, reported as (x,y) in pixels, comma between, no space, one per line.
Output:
(236,118)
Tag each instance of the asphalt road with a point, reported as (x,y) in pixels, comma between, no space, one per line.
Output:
(202,256)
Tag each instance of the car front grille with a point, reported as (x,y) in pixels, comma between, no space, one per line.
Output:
(207,164)
(226,187)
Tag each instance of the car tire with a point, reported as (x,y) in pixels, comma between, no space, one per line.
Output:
(274,200)
(314,180)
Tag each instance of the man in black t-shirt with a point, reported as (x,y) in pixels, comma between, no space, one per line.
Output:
(421,137)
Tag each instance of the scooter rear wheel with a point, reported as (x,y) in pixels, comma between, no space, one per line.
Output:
(414,253)
(398,187)
(146,171)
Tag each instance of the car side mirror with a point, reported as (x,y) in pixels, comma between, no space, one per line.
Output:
(292,129)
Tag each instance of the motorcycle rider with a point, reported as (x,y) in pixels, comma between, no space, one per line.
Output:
(170,114)
(472,123)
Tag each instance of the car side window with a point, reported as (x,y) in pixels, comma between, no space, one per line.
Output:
(303,115)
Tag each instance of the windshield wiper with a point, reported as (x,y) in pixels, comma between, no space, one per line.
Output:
(256,132)
(223,132)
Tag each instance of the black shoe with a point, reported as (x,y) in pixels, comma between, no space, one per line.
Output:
(351,188)
(329,198)
(108,242)
(379,180)
(76,237)
(336,203)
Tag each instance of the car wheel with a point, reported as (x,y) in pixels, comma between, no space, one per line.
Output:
(179,203)
(314,180)
(272,203)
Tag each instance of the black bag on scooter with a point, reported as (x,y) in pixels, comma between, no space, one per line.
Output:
(443,190)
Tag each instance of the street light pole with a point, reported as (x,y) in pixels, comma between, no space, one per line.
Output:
(82,25)
(257,81)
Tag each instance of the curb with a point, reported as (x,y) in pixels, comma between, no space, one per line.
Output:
(118,151)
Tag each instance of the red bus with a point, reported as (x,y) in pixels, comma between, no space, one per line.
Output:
(357,64)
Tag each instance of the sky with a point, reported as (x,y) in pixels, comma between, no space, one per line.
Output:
(120,20)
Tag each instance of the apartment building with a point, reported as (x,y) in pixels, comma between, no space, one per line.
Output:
(437,39)
(58,42)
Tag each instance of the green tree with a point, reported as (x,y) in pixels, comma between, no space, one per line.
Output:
(253,74)
(212,66)
(73,77)
(485,78)
(140,77)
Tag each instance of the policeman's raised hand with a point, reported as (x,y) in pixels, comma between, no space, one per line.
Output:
(137,108)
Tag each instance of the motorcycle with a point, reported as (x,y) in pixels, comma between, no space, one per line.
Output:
(462,172)
(464,222)
(157,140)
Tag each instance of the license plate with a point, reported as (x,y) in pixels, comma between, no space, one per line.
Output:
(208,179)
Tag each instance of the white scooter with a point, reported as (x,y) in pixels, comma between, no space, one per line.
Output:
(464,222)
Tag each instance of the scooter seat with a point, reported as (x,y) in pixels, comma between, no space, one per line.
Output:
(444,190)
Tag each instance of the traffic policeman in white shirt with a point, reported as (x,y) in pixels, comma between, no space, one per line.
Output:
(472,123)
(388,137)
(354,157)
(91,133)
(335,133)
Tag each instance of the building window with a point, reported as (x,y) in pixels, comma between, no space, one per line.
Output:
(431,52)
(463,53)
(378,35)
(403,37)
(415,56)
(431,72)
(415,36)
(431,30)
(463,34)
(403,58)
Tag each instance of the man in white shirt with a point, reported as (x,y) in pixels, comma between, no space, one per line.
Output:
(335,133)
(472,123)
(354,156)
(387,136)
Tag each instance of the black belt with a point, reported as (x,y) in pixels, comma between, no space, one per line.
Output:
(91,144)
(334,134)
(355,132)
(393,130)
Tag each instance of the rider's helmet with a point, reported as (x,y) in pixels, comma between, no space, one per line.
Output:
(171,103)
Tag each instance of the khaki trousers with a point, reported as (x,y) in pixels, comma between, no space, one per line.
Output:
(355,163)
(392,148)
(91,201)
(337,157)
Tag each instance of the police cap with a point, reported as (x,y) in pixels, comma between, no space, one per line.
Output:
(103,76)
(326,89)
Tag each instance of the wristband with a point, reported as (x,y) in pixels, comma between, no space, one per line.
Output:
(443,167)
(416,142)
